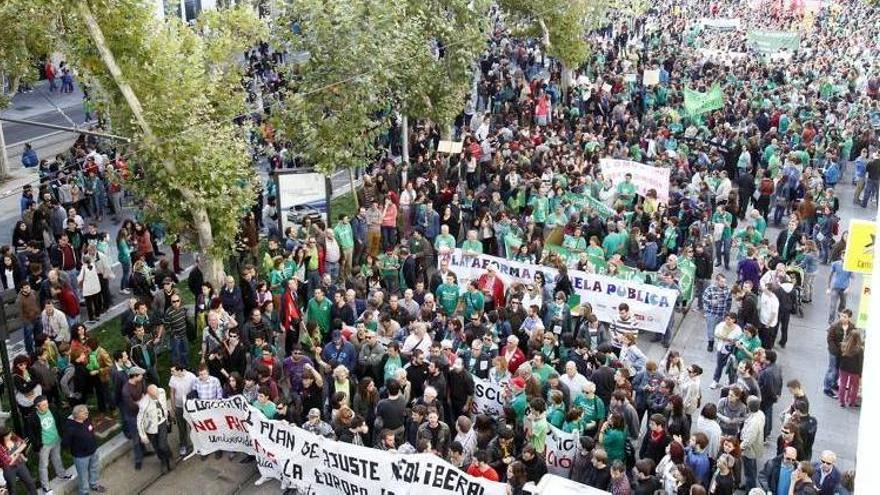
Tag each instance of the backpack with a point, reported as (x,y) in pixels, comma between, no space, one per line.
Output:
(832,174)
(67,382)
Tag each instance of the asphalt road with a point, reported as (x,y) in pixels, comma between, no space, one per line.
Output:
(16,133)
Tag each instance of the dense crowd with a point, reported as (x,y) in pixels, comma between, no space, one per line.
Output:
(358,329)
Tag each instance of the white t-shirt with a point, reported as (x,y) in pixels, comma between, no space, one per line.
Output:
(181,386)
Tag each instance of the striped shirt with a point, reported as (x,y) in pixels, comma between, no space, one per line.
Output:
(621,326)
(175,322)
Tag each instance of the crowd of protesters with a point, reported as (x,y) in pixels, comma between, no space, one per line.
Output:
(355,331)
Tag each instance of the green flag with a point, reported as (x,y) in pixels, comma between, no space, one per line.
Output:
(697,103)
(582,201)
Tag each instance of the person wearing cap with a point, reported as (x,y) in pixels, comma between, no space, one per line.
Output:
(44,433)
(314,424)
(339,352)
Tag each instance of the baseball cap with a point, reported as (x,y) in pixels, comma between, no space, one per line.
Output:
(136,370)
(518,382)
(314,413)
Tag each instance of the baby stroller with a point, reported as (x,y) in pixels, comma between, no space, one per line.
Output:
(796,275)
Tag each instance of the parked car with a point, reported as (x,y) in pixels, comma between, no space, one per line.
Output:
(298,214)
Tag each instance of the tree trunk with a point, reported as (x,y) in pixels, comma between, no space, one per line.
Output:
(4,158)
(565,74)
(110,61)
(404,139)
(212,266)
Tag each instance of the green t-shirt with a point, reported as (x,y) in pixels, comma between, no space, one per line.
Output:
(48,427)
(344,235)
(473,246)
(388,264)
(727,219)
(540,206)
(320,313)
(268,409)
(538,438)
(543,373)
(751,344)
(473,302)
(574,243)
(444,241)
(392,364)
(613,244)
(519,404)
(593,409)
(626,191)
(447,296)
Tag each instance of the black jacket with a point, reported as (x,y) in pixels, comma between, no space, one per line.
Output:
(770,383)
(79,438)
(35,429)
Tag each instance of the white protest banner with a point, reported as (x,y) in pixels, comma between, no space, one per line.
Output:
(488,398)
(651,77)
(644,177)
(551,484)
(720,23)
(560,452)
(219,425)
(317,465)
(651,306)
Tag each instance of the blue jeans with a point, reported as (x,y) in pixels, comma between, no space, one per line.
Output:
(837,303)
(28,329)
(712,321)
(126,274)
(750,472)
(870,192)
(831,374)
(136,446)
(333,269)
(778,212)
(86,472)
(767,409)
(720,362)
(722,251)
(74,286)
(179,350)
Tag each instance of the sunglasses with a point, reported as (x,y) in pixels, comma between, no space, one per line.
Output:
(175,300)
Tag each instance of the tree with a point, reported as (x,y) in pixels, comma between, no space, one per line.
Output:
(338,100)
(442,41)
(27,35)
(561,25)
(175,93)
(368,59)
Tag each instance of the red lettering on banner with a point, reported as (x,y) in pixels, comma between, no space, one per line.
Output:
(206,425)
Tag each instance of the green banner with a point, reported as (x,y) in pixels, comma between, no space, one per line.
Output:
(774,41)
(697,103)
(686,284)
(586,201)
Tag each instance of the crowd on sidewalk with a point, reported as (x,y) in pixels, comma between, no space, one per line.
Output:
(358,330)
